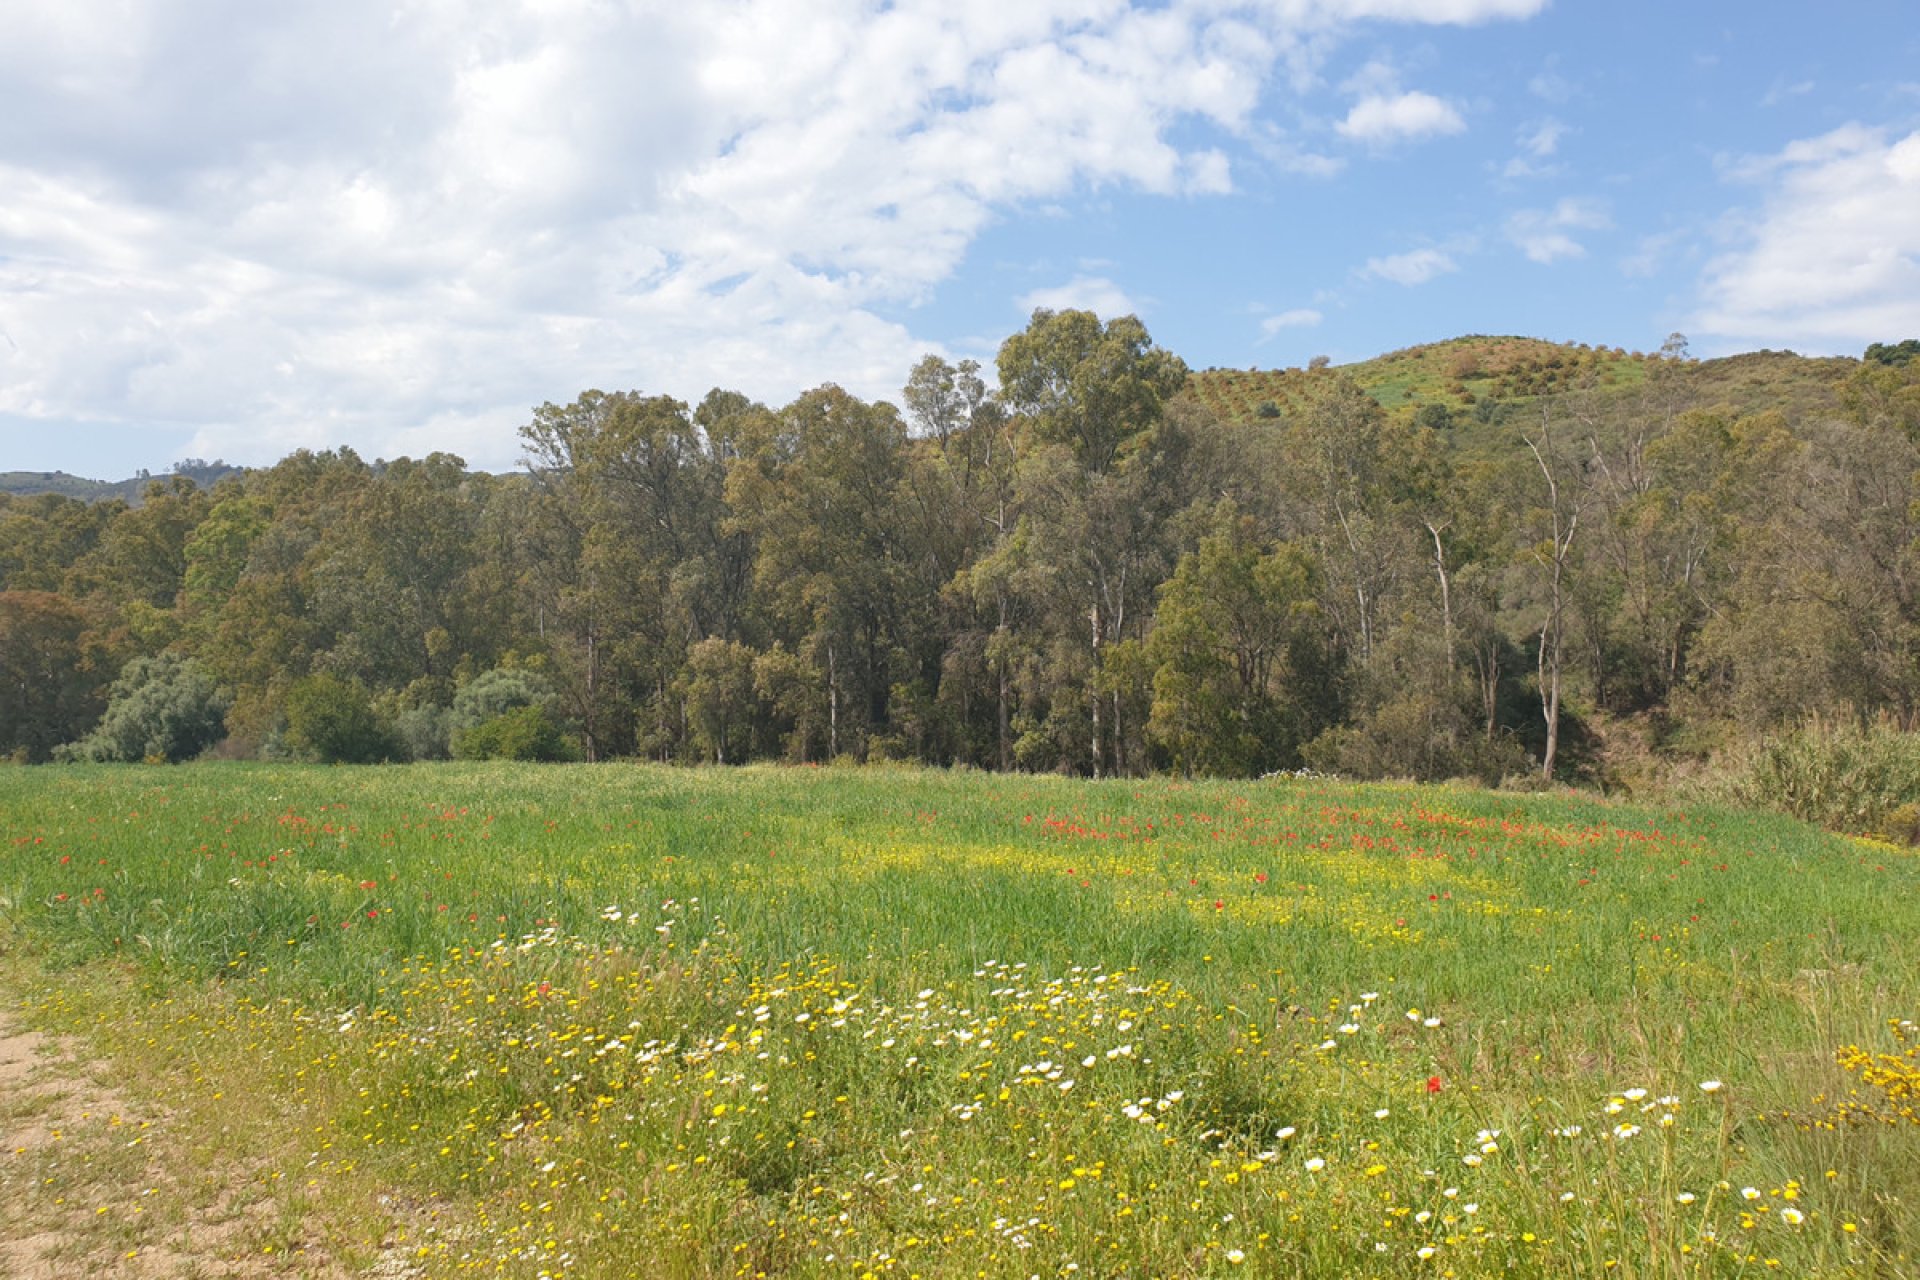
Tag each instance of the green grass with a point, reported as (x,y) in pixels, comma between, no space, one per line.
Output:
(620,1020)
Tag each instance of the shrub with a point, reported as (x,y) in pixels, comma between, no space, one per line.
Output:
(525,733)
(333,721)
(1903,824)
(426,731)
(492,694)
(163,709)
(1844,777)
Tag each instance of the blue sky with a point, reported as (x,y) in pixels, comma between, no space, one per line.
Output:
(230,229)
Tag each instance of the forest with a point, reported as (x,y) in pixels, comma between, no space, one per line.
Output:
(1489,558)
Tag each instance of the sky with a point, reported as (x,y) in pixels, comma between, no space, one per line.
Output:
(231,229)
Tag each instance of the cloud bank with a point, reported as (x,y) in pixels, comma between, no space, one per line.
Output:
(1831,260)
(338,220)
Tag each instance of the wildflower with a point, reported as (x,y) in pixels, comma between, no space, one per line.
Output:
(1711,1086)
(1316,1164)
(1433,1084)
(1284,1133)
(1792,1217)
(1236,1256)
(1749,1193)
(1686,1197)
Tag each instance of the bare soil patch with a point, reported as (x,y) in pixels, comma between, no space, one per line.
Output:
(94,1183)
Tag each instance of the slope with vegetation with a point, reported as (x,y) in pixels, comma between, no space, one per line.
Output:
(1486,558)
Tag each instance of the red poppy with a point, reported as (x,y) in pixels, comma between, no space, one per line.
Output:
(1433,1084)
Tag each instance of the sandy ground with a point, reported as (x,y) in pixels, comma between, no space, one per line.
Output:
(92,1185)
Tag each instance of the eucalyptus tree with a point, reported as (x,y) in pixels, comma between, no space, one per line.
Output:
(1099,493)
(627,522)
(817,487)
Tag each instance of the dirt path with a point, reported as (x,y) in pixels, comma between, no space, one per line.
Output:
(94,1185)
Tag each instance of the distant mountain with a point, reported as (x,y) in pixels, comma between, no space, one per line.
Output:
(131,491)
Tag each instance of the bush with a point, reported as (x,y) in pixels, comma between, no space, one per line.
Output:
(492,694)
(427,732)
(1844,777)
(333,721)
(525,733)
(163,709)
(1903,825)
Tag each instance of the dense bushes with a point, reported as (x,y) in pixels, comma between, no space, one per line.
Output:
(525,733)
(162,709)
(333,721)
(1846,777)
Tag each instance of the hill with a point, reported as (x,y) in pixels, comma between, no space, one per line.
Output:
(26,484)
(1481,380)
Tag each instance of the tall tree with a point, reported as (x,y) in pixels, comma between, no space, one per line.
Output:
(1097,394)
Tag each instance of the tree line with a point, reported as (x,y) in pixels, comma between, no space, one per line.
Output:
(1082,570)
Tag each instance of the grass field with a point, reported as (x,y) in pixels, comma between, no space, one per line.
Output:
(618,1021)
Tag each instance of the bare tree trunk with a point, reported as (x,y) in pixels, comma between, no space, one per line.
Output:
(1564,512)
(1094,616)
(1550,693)
(1446,587)
(1000,693)
(833,707)
(1489,668)
(593,695)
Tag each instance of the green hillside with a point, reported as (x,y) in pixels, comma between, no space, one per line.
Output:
(1477,379)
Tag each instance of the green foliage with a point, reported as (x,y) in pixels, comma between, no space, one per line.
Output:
(333,721)
(1893,353)
(493,693)
(1843,776)
(1902,826)
(526,733)
(719,699)
(1236,656)
(1087,385)
(163,709)
(1016,578)
(54,668)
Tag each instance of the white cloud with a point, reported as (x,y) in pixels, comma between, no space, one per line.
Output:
(1538,144)
(1543,140)
(1415,267)
(1781,91)
(1298,318)
(326,221)
(1544,234)
(1383,118)
(1082,293)
(1831,260)
(1549,85)
(1652,252)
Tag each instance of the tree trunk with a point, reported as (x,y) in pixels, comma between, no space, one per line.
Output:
(1550,692)
(833,707)
(1446,589)
(1094,616)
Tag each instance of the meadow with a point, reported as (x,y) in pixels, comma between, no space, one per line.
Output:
(615,1021)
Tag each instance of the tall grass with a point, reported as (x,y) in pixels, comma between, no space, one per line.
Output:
(1842,775)
(615,1021)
